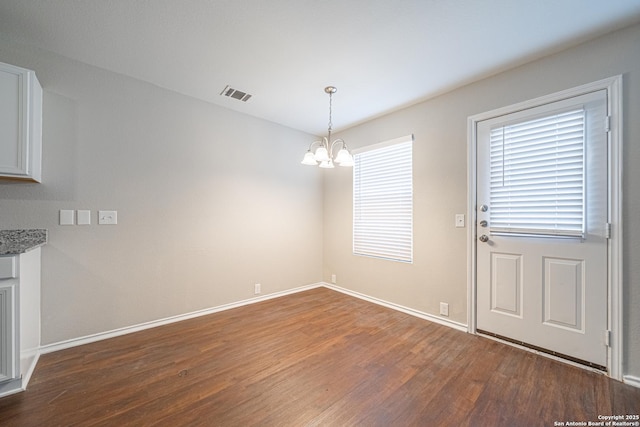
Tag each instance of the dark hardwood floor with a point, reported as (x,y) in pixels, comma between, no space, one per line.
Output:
(316,358)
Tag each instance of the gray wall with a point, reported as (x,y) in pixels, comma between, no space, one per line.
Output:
(440,182)
(209,201)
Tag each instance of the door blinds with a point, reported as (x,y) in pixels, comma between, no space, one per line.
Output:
(383,201)
(537,176)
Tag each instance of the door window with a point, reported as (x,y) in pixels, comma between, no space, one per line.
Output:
(537,176)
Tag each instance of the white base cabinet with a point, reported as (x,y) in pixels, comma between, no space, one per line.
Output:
(19,319)
(20,124)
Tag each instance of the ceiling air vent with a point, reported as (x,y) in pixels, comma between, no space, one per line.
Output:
(235,93)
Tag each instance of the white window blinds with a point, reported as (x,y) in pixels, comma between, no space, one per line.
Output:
(383,201)
(537,176)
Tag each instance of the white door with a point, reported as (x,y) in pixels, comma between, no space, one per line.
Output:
(542,227)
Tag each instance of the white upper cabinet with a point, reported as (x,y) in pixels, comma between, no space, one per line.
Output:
(20,124)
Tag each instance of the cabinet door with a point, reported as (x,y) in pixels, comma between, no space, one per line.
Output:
(8,343)
(13,156)
(20,123)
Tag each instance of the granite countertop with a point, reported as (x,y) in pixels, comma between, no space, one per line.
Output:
(15,242)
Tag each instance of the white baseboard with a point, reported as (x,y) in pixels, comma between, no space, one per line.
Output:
(74,342)
(32,359)
(11,387)
(62,345)
(631,380)
(426,316)
(49,348)
(20,384)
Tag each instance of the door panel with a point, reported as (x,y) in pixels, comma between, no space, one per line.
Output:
(543,290)
(506,284)
(564,293)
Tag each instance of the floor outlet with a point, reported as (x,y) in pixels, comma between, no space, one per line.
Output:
(444,309)
(256,289)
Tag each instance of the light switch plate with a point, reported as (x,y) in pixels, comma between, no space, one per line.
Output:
(67,217)
(84,217)
(460,220)
(107,217)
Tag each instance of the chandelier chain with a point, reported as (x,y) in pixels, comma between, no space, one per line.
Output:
(330,108)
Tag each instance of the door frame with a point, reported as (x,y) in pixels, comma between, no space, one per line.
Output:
(613,86)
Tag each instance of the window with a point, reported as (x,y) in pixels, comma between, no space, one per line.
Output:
(383,200)
(537,176)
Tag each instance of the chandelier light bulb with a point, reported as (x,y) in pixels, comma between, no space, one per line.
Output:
(309,159)
(322,155)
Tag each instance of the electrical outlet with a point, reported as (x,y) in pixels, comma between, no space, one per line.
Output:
(444,309)
(107,217)
(256,288)
(333,279)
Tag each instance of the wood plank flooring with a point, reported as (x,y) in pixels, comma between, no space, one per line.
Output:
(315,358)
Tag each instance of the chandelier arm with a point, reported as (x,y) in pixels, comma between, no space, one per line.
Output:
(319,141)
(339,140)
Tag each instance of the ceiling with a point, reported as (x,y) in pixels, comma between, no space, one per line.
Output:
(382,55)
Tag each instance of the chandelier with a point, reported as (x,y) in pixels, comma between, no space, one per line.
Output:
(323,154)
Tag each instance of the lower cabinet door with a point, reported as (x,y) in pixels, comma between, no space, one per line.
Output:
(8,344)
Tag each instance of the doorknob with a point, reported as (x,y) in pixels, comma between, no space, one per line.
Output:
(483,223)
(484,208)
(484,238)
